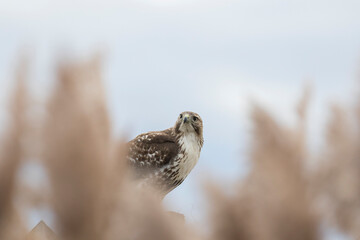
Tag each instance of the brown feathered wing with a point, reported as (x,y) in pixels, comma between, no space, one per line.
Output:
(149,152)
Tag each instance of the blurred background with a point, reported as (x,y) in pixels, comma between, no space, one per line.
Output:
(216,58)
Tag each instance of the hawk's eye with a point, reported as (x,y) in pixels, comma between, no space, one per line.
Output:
(195,118)
(180,116)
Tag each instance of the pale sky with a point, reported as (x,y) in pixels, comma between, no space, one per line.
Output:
(212,57)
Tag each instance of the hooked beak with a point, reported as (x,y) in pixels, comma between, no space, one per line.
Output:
(186,118)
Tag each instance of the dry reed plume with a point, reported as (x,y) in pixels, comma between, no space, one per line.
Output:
(92,197)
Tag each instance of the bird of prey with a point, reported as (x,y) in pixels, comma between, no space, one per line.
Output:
(163,159)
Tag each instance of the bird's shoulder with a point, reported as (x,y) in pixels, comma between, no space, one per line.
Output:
(155,137)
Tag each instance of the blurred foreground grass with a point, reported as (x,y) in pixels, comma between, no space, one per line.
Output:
(92,197)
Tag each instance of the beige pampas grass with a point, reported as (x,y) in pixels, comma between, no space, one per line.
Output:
(338,176)
(12,153)
(76,149)
(92,196)
(273,202)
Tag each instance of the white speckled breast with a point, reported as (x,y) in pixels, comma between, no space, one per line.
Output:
(190,148)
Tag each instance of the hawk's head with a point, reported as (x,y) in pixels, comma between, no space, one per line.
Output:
(189,122)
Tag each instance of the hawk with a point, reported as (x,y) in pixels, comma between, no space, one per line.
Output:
(163,159)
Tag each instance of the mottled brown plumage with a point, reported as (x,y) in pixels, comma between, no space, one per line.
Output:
(163,159)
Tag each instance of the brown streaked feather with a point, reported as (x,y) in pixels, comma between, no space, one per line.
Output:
(152,150)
